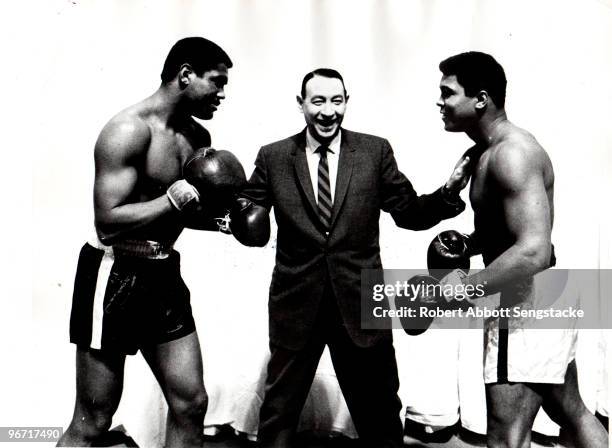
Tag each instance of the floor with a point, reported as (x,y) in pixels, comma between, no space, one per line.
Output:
(453,438)
(415,437)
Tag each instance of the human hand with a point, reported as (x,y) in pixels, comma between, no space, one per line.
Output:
(460,176)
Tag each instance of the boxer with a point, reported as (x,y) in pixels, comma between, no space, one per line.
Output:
(512,197)
(128,292)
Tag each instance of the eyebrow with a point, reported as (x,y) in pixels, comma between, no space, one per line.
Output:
(322,97)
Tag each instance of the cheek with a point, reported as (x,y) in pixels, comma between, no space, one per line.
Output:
(311,112)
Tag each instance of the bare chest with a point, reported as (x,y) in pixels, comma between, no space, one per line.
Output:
(482,187)
(164,161)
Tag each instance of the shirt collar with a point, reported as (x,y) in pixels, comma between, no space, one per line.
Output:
(312,144)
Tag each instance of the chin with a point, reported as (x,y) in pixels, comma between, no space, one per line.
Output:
(328,135)
(448,127)
(205,116)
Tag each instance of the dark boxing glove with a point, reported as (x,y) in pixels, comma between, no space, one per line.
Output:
(217,175)
(430,294)
(448,251)
(249,223)
(417,324)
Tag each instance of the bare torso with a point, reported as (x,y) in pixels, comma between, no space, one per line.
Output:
(492,220)
(160,151)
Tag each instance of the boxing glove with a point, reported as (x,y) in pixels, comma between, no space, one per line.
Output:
(432,294)
(249,223)
(448,251)
(181,193)
(418,324)
(217,175)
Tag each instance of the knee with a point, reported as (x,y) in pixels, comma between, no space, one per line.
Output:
(191,407)
(574,418)
(507,437)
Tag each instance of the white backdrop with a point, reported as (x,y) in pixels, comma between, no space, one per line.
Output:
(73,64)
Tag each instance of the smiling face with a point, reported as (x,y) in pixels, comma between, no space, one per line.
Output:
(206,92)
(323,105)
(458,110)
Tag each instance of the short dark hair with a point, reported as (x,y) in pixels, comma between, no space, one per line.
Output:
(326,73)
(477,71)
(202,54)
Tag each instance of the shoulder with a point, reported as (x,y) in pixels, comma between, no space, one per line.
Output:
(283,143)
(125,134)
(284,146)
(517,158)
(357,139)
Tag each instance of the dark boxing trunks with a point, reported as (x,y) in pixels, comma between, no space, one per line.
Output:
(129,296)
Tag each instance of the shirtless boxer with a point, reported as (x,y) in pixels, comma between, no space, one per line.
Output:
(128,292)
(512,198)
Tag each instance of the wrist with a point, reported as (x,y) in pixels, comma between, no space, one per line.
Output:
(181,193)
(449,195)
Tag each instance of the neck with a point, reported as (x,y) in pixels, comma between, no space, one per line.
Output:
(168,106)
(487,129)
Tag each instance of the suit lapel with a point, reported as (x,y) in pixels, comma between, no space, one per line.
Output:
(345,170)
(302,173)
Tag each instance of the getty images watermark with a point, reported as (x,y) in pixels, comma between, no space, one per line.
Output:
(555,298)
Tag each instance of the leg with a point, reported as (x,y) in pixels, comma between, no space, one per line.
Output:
(511,410)
(177,365)
(369,381)
(290,375)
(99,381)
(562,402)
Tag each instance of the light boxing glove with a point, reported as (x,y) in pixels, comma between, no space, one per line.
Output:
(249,223)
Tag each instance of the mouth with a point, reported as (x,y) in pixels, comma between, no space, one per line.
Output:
(326,125)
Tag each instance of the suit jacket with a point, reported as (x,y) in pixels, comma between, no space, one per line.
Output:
(368,181)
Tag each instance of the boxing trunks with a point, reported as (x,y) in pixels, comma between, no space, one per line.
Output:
(515,350)
(128,296)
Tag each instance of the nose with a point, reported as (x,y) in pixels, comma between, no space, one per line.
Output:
(327,110)
(221,93)
(440,103)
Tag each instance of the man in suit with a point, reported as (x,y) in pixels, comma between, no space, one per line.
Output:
(327,186)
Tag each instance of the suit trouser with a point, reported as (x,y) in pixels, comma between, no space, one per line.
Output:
(367,376)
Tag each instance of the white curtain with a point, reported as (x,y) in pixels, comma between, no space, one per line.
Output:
(76,63)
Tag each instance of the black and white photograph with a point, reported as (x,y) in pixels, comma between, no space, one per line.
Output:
(307,223)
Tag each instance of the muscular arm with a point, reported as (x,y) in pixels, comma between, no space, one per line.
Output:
(121,147)
(518,172)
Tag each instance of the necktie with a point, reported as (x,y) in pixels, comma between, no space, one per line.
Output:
(324,189)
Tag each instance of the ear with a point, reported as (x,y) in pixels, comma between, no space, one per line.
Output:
(482,99)
(300,101)
(185,75)
(346,98)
